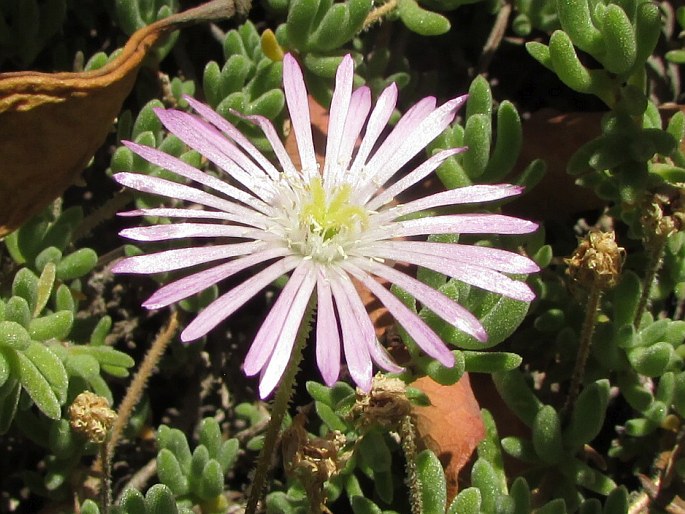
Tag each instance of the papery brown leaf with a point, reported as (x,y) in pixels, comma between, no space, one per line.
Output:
(51,124)
(451,427)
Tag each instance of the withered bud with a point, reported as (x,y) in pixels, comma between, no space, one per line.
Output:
(314,460)
(664,214)
(385,405)
(597,261)
(91,416)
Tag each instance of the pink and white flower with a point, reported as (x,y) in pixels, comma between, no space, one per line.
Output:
(322,227)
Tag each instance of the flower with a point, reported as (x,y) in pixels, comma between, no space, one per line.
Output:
(324,227)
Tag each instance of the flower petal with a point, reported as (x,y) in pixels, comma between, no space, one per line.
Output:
(455,224)
(170,260)
(424,336)
(356,349)
(327,334)
(412,178)
(493,258)
(378,119)
(274,140)
(185,287)
(439,303)
(475,275)
(280,358)
(377,352)
(183,169)
(339,112)
(409,140)
(360,105)
(203,137)
(183,230)
(231,131)
(179,213)
(298,107)
(460,195)
(162,187)
(227,304)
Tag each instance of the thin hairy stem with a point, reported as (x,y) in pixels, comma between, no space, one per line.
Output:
(588,329)
(106,480)
(284,392)
(379,12)
(136,389)
(656,254)
(408,437)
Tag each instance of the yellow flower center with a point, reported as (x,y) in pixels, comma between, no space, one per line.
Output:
(327,217)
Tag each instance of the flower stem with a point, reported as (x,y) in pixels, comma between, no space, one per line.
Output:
(280,405)
(585,341)
(106,480)
(408,437)
(378,13)
(656,254)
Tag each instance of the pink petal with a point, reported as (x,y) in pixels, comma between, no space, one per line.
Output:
(281,355)
(396,139)
(298,107)
(327,335)
(398,150)
(170,260)
(360,105)
(179,213)
(412,178)
(493,258)
(162,187)
(461,195)
(183,230)
(380,115)
(269,333)
(356,348)
(424,336)
(340,104)
(225,305)
(439,303)
(185,287)
(231,131)
(471,274)
(203,137)
(183,169)
(275,141)
(377,352)
(456,224)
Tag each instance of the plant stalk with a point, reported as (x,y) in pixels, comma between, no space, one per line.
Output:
(587,331)
(284,393)
(653,266)
(408,437)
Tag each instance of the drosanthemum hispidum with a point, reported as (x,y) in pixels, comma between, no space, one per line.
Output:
(323,227)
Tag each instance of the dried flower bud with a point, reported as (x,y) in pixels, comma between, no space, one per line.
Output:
(664,214)
(597,261)
(91,416)
(314,460)
(385,405)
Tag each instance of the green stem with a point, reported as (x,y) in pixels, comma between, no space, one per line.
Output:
(408,437)
(584,350)
(653,266)
(280,405)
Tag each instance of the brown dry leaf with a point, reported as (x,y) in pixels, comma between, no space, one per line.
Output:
(51,124)
(451,427)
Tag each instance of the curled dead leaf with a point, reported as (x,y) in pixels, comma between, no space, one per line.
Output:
(51,124)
